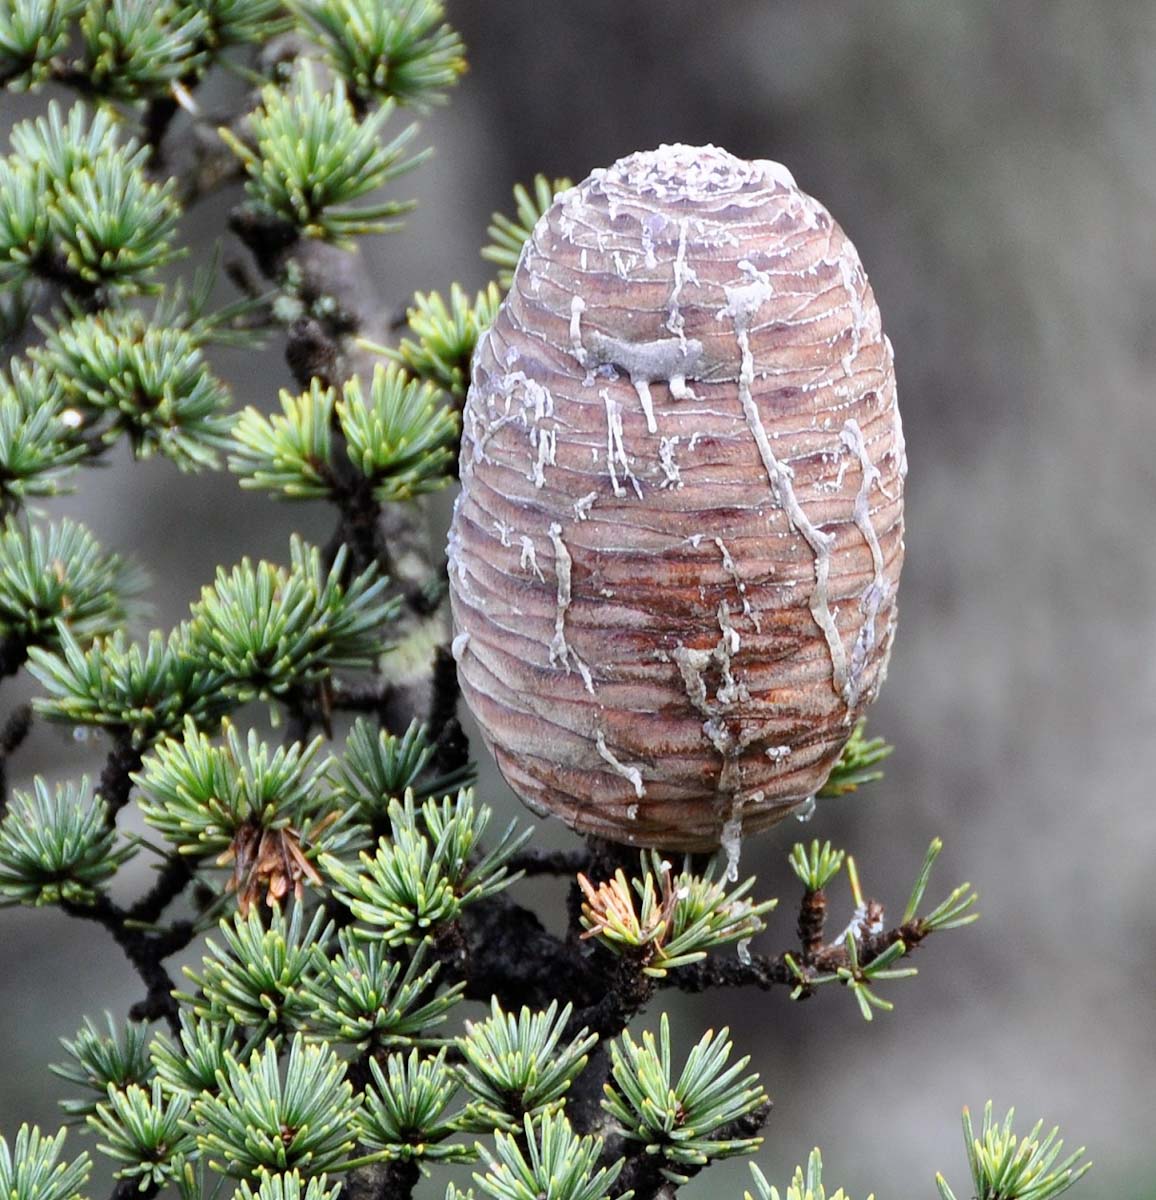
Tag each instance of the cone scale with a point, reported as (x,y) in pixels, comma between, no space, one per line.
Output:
(674,558)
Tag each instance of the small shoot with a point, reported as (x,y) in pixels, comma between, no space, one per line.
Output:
(143,691)
(710,1111)
(404,1114)
(191,1066)
(32,1169)
(864,954)
(516,1066)
(402,437)
(57,576)
(100,1061)
(57,846)
(32,33)
(137,49)
(312,157)
(952,913)
(263,811)
(1005,1166)
(147,1131)
(269,1117)
(456,826)
(378,768)
(290,455)
(124,375)
(363,998)
(287,1185)
(857,764)
(546,1159)
(79,209)
(270,631)
(422,877)
(677,918)
(509,234)
(816,866)
(237,22)
(258,977)
(38,445)
(445,334)
(805,1184)
(859,976)
(399,52)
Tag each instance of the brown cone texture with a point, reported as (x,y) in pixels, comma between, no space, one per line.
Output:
(674,559)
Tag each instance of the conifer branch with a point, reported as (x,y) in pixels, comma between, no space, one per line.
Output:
(364,895)
(338,314)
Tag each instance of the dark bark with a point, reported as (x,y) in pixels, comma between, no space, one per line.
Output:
(383,1181)
(812,920)
(12,736)
(115,783)
(13,652)
(506,952)
(451,746)
(174,876)
(158,116)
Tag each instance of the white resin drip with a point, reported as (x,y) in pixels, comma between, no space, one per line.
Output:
(683,274)
(547,440)
(631,774)
(560,650)
(456,560)
(733,571)
(694,173)
(848,271)
(647,241)
(615,449)
(876,590)
(731,840)
(729,645)
(899,448)
(666,460)
(742,303)
(458,646)
(692,666)
(577,308)
(529,560)
(665,359)
(642,387)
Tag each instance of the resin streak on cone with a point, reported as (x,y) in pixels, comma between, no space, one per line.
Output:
(674,559)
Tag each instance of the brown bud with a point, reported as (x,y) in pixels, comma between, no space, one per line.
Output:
(674,559)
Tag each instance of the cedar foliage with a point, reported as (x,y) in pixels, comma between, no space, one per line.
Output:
(345,884)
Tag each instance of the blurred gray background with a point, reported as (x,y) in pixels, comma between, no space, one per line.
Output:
(994,163)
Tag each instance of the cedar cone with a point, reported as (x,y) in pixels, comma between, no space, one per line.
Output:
(674,558)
